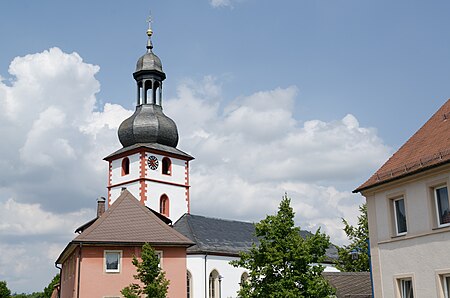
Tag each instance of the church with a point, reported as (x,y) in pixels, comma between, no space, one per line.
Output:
(148,201)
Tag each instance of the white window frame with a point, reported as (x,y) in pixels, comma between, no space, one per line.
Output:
(119,265)
(400,284)
(441,285)
(397,233)
(438,216)
(189,284)
(444,281)
(214,284)
(159,253)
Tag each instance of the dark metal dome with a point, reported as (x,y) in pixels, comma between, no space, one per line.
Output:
(149,61)
(148,124)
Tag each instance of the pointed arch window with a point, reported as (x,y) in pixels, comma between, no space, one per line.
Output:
(125,166)
(166,166)
(214,284)
(189,284)
(164,205)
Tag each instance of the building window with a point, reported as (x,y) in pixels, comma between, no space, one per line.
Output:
(400,216)
(214,286)
(159,254)
(244,278)
(166,166)
(164,205)
(442,206)
(112,260)
(189,285)
(406,288)
(446,285)
(125,166)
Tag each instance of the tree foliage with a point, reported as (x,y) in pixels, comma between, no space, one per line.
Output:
(355,256)
(46,294)
(4,291)
(153,282)
(32,295)
(284,265)
(49,289)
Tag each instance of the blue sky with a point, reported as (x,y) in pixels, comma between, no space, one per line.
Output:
(308,97)
(381,60)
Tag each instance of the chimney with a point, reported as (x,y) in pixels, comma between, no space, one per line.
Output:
(100,206)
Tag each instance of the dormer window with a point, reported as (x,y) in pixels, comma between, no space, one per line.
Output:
(125,166)
(166,166)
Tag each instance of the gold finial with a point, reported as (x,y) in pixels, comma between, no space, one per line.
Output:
(150,21)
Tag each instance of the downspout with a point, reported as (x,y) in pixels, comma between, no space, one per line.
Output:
(79,268)
(370,264)
(206,278)
(60,283)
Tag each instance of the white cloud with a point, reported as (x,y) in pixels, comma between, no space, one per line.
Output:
(29,219)
(249,152)
(33,238)
(54,131)
(221,3)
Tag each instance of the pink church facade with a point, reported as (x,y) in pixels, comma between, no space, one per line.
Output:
(98,262)
(84,273)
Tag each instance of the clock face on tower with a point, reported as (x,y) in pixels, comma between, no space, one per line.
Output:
(152,162)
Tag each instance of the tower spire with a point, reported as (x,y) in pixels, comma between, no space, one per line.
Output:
(149,33)
(149,124)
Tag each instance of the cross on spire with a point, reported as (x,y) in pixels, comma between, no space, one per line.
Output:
(149,32)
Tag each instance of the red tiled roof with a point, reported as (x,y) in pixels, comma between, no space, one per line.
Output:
(127,221)
(428,147)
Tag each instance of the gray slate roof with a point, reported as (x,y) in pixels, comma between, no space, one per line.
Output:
(350,284)
(224,237)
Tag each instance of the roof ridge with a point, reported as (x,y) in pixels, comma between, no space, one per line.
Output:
(197,242)
(126,195)
(223,219)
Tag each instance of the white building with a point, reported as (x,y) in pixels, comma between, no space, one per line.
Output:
(409,215)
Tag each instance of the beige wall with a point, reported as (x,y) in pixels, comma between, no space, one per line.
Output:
(420,253)
(95,282)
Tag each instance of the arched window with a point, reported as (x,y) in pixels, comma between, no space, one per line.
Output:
(166,166)
(244,278)
(125,166)
(164,205)
(214,284)
(189,285)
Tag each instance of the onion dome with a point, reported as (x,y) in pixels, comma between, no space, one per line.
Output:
(148,124)
(149,61)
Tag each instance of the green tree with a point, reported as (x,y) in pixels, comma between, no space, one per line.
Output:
(284,265)
(150,275)
(355,256)
(4,291)
(33,295)
(49,289)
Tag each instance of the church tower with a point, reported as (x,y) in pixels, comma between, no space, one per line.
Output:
(149,165)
